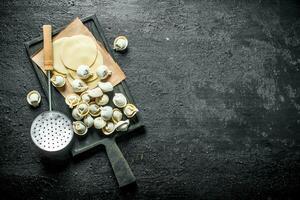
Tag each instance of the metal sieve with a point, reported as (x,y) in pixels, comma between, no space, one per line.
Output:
(51,131)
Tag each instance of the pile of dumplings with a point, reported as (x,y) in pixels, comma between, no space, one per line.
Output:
(91,109)
(89,104)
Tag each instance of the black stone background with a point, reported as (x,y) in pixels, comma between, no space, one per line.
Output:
(217,83)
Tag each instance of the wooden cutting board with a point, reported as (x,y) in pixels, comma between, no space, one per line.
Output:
(120,166)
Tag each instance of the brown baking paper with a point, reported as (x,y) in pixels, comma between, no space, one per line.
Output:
(78,28)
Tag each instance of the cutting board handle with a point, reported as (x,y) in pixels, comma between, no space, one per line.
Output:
(119,164)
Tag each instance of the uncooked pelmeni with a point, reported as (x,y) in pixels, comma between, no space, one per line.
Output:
(93,77)
(78,50)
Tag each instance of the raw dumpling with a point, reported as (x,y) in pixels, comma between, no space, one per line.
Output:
(79,50)
(90,79)
(93,77)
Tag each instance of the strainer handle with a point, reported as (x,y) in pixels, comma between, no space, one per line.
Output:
(48,50)
(48,58)
(119,164)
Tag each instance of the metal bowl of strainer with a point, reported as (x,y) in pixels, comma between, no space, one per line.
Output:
(52,133)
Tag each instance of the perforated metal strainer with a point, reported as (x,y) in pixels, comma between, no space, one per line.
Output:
(51,131)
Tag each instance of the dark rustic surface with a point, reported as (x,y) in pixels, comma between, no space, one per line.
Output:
(217,83)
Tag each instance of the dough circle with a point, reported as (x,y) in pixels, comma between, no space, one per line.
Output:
(57,49)
(98,62)
(78,50)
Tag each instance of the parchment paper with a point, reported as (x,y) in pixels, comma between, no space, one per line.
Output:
(78,28)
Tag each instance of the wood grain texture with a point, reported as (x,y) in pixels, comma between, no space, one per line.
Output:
(48,50)
(217,83)
(93,139)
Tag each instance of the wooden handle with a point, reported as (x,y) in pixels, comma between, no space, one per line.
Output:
(48,52)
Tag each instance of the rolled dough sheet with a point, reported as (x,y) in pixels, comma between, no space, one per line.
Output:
(78,50)
(76,27)
(57,48)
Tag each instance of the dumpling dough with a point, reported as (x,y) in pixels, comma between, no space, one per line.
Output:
(78,50)
(57,63)
(97,63)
